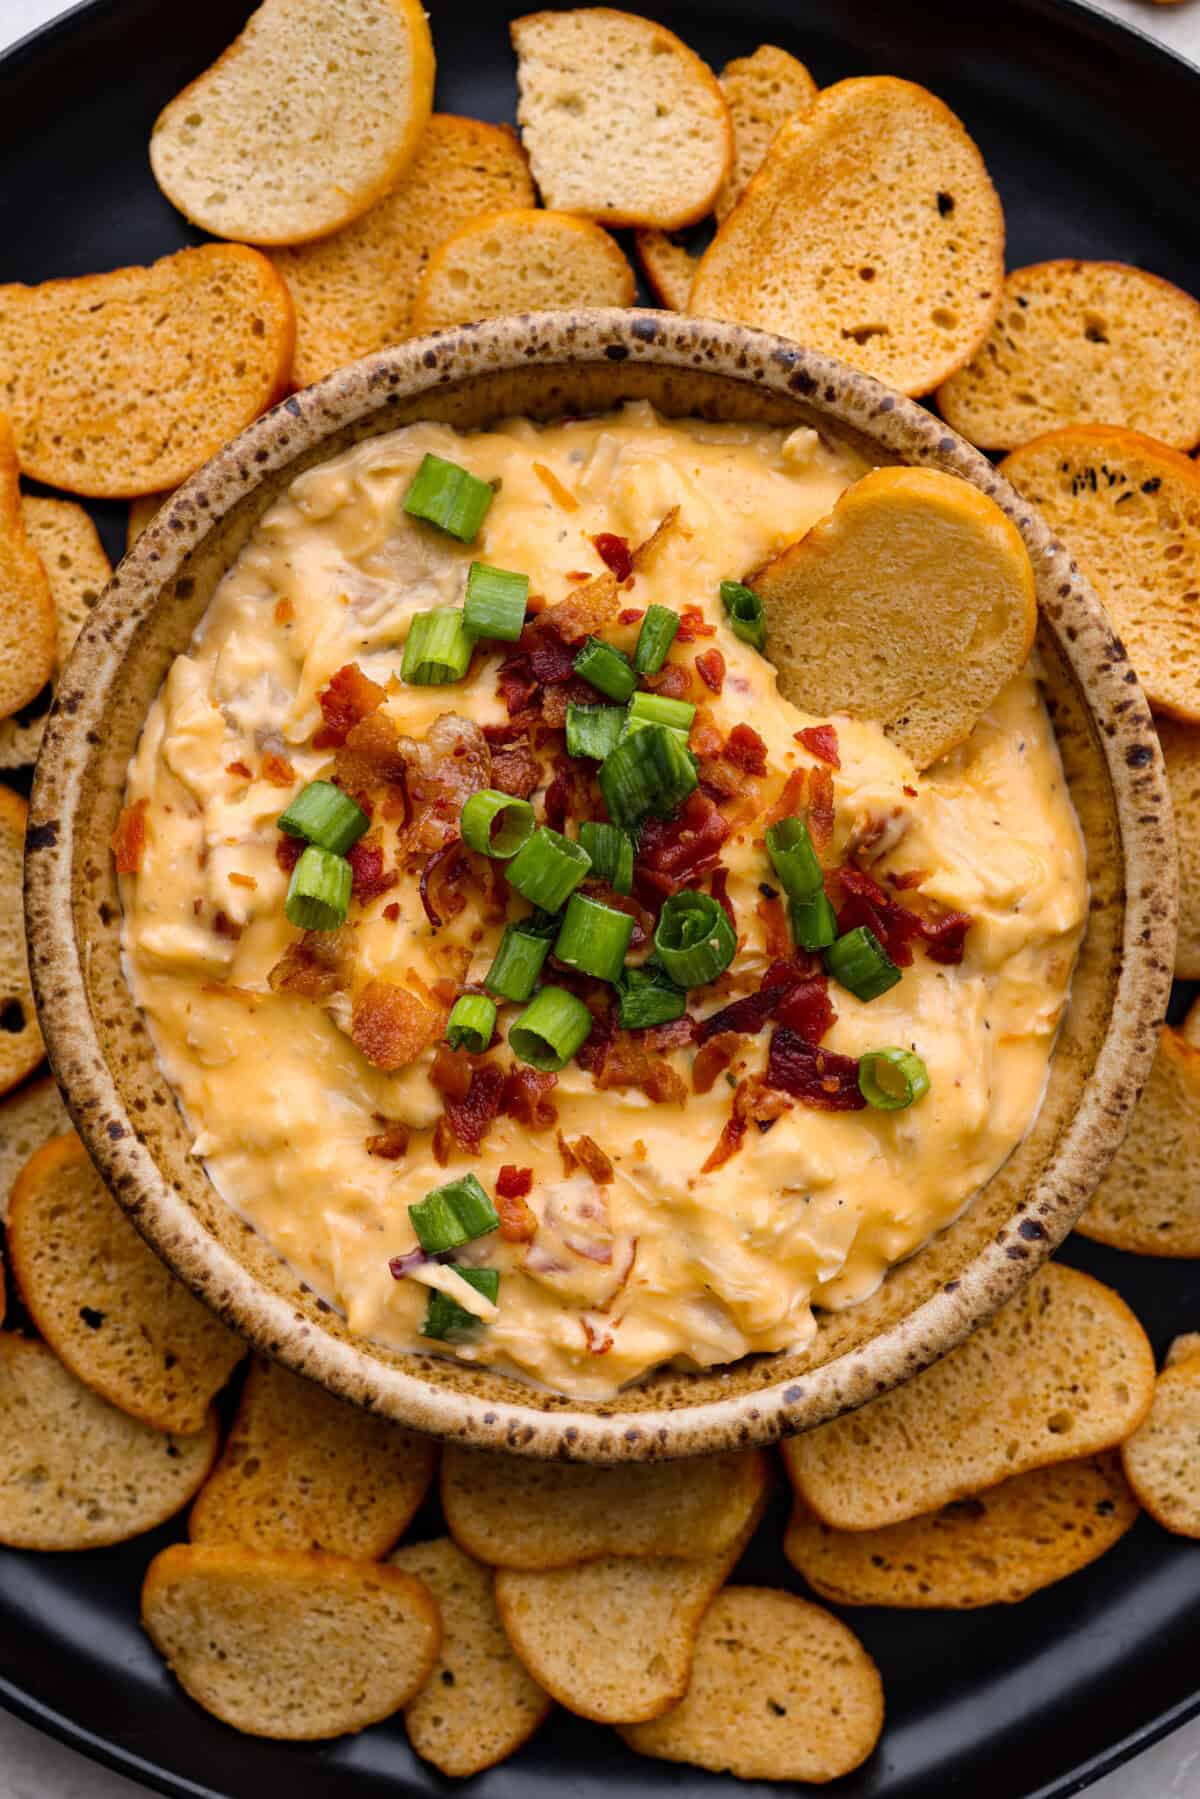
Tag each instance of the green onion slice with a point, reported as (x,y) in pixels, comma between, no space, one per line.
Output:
(518,963)
(651,771)
(606,669)
(655,639)
(647,996)
(862,965)
(322,814)
(814,922)
(495,823)
(890,1079)
(744,609)
(437,649)
(548,868)
(446,1318)
(450,497)
(794,859)
(318,895)
(656,709)
(611,850)
(593,730)
(456,1213)
(550,1030)
(593,938)
(694,939)
(471,1023)
(495,602)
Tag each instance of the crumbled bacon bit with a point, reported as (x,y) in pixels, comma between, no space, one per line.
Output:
(712,1060)
(674,853)
(821,741)
(451,1072)
(370,765)
(706,737)
(368,877)
(673,680)
(717,781)
(865,903)
(648,549)
(128,841)
(288,851)
(513,1182)
(554,487)
(550,656)
(807,1009)
(226,927)
(945,938)
(630,615)
(277,770)
(517,1223)
(391,1143)
(502,736)
(776,935)
(680,1033)
(392,912)
(516,771)
(626,1062)
(591,1157)
(791,799)
(285,612)
(746,750)
(516,684)
(472,1116)
(526,1097)
(710,666)
(349,697)
(643,921)
(598,1332)
(443,769)
(313,966)
(240,770)
(908,879)
(241,880)
(569,1159)
(749,1014)
(719,887)
(693,624)
(439,876)
(821,815)
(615,553)
(390,1025)
(816,1077)
(751,1103)
(583,612)
(442,1142)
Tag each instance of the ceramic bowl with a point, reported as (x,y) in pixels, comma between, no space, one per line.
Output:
(544,365)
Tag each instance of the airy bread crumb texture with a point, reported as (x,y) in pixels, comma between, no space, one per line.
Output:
(28,1119)
(123,384)
(871,231)
(1078,343)
(622,122)
(27,636)
(20,1038)
(1149,1201)
(1181,754)
(521,261)
(300,126)
(1128,509)
(1162,1457)
(761,91)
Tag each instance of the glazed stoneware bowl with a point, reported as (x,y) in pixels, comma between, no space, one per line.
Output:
(544,365)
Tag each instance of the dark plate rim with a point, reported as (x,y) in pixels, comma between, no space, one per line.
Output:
(20,1703)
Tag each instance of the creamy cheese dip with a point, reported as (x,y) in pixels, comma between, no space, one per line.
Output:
(701,1267)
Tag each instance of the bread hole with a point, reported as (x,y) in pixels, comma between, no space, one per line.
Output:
(945,203)
(1094,328)
(867,273)
(572,103)
(193,119)
(862,334)
(777,1710)
(944,317)
(1059,1423)
(12,1017)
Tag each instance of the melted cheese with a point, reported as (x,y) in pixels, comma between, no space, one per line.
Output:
(281,1103)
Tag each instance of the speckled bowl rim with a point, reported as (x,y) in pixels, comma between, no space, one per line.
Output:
(903,430)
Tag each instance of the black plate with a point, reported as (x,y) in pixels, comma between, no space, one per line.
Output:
(1089,131)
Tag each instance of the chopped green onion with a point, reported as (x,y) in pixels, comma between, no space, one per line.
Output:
(548,1032)
(518,963)
(744,609)
(450,497)
(437,649)
(445,1317)
(593,730)
(647,996)
(656,709)
(322,814)
(593,938)
(814,922)
(652,771)
(471,1023)
(890,1079)
(495,823)
(611,850)
(795,860)
(606,669)
(318,895)
(456,1213)
(548,868)
(694,939)
(495,603)
(862,965)
(655,639)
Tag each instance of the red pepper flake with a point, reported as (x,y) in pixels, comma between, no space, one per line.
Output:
(821,814)
(615,553)
(277,770)
(240,770)
(693,624)
(391,1143)
(285,612)
(392,913)
(472,1116)
(821,741)
(816,1077)
(349,697)
(746,750)
(368,878)
(128,841)
(631,615)
(710,666)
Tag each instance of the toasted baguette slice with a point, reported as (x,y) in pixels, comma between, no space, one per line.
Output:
(761,91)
(111,1311)
(622,122)
(479,1704)
(304,1470)
(997,1547)
(122,384)
(354,292)
(28,1119)
(1182,1349)
(303,123)
(75,1473)
(1191,1026)
(668,265)
(521,261)
(919,561)
(1181,753)
(1064,1371)
(26,604)
(141,511)
(20,1039)
(296,1647)
(1077,342)
(1149,1201)
(1129,509)
(517,1513)
(1162,1457)
(781,1690)
(871,231)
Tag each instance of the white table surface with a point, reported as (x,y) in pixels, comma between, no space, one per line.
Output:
(33,1766)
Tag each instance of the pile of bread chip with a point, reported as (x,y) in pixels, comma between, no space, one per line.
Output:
(858,219)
